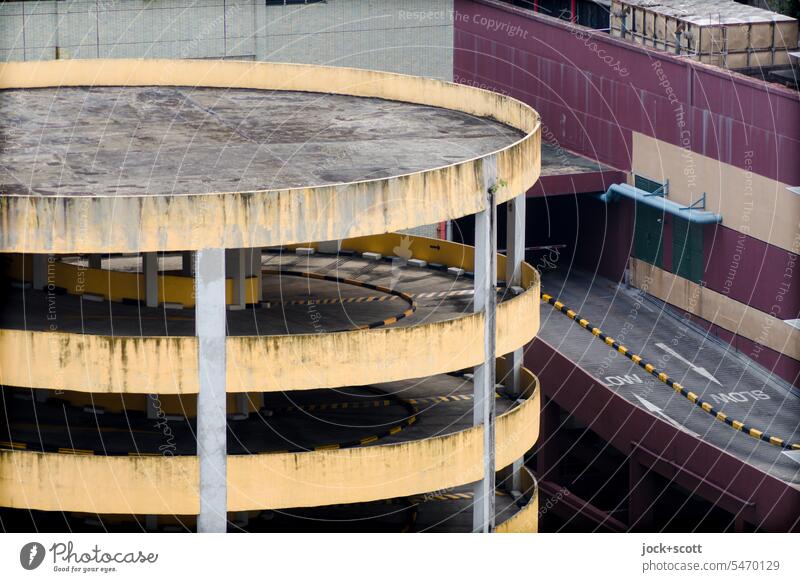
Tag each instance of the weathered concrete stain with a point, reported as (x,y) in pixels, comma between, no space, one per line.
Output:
(167,365)
(282,214)
(168,485)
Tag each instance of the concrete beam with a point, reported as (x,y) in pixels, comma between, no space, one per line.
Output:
(211,401)
(150,268)
(485,300)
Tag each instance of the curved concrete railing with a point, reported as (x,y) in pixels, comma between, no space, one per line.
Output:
(193,220)
(168,485)
(168,365)
(526,520)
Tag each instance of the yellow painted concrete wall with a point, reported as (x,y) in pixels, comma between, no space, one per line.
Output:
(265,218)
(168,485)
(119,285)
(526,520)
(168,365)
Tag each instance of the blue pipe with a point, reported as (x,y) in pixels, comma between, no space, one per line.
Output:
(696,216)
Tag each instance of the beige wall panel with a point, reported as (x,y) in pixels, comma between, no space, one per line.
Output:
(748,203)
(720,310)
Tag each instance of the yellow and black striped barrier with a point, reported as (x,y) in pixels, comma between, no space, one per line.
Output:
(410,419)
(663,377)
(350,405)
(370,298)
(445,496)
(356,283)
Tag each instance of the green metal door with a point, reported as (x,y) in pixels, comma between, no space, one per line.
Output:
(647,235)
(687,249)
(649,226)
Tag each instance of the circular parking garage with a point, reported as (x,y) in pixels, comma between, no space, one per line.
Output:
(209,312)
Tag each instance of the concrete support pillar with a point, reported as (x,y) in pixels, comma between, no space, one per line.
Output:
(211,401)
(242,404)
(741,525)
(236,269)
(241,519)
(39,271)
(515,256)
(548,449)
(151,410)
(641,496)
(254,270)
(151,522)
(150,268)
(515,239)
(483,516)
(187,263)
(247,401)
(95,261)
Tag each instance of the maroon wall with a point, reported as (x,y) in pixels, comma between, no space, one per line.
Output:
(592,90)
(696,465)
(751,272)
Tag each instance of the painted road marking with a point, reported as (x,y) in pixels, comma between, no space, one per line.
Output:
(702,371)
(664,377)
(656,410)
(623,380)
(743,396)
(793,455)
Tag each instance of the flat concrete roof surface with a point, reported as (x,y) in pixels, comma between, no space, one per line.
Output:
(557,161)
(116,141)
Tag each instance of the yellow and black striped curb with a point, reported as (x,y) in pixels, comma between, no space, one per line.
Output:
(356,283)
(411,408)
(370,298)
(410,419)
(450,496)
(409,403)
(327,406)
(663,377)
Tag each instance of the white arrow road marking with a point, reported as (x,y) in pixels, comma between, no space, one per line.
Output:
(793,455)
(702,371)
(656,410)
